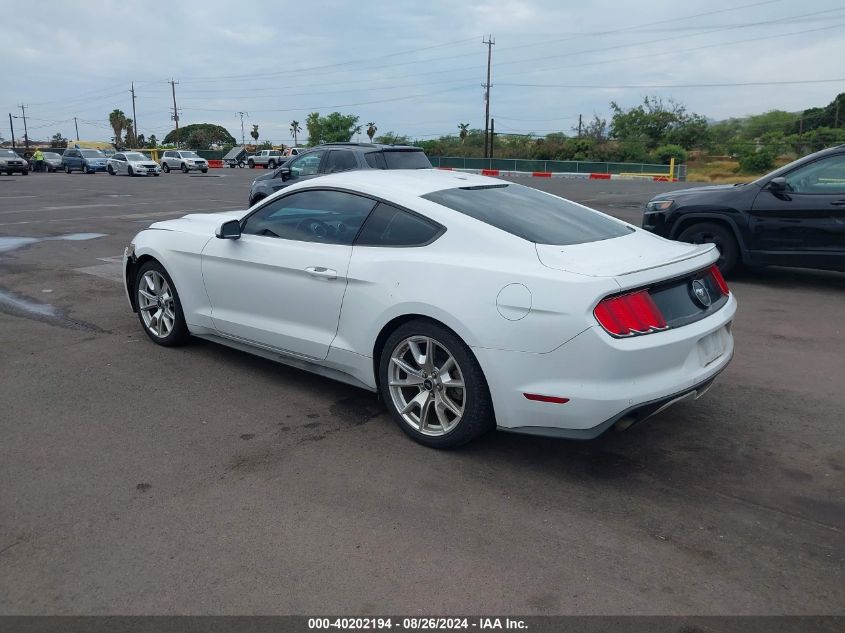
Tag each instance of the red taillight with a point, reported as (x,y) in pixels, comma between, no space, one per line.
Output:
(634,313)
(720,281)
(541,398)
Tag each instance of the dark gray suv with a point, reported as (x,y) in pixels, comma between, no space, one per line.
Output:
(334,157)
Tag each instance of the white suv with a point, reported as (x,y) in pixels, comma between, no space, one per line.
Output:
(186,161)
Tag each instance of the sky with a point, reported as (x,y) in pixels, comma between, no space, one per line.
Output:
(414,68)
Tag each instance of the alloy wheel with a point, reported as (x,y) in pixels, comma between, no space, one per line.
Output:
(156,304)
(426,385)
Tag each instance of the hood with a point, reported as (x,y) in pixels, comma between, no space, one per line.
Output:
(696,190)
(636,252)
(267,176)
(203,223)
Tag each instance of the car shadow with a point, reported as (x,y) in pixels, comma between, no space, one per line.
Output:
(788,278)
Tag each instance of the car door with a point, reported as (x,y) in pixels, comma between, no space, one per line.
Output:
(281,284)
(804,223)
(171,159)
(116,163)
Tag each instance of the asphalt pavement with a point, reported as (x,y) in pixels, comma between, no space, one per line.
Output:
(136,479)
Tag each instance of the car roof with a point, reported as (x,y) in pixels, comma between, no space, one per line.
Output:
(403,182)
(369,146)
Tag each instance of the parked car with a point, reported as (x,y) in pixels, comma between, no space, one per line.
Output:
(269,158)
(12,163)
(336,157)
(794,216)
(294,151)
(427,287)
(86,161)
(133,164)
(52,162)
(184,160)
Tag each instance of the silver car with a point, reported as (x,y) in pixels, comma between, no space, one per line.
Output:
(184,160)
(132,164)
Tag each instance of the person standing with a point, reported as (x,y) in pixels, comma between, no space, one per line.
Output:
(39,160)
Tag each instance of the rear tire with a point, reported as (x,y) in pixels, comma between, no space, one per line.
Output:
(159,308)
(435,414)
(721,236)
(251,164)
(271,165)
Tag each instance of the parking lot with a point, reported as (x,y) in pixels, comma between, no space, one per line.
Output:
(201,480)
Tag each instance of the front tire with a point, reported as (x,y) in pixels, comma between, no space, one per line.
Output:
(67,169)
(251,164)
(111,171)
(165,168)
(130,172)
(184,168)
(721,236)
(271,165)
(433,386)
(159,308)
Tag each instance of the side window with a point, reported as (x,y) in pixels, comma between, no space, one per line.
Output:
(376,160)
(119,157)
(306,165)
(822,176)
(338,160)
(390,226)
(328,217)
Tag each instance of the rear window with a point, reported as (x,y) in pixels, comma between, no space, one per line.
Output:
(530,214)
(92,153)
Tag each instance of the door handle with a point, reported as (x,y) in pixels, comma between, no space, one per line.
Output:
(838,203)
(321,273)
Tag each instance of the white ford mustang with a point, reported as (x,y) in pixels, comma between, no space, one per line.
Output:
(467,302)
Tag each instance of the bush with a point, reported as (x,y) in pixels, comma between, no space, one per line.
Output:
(666,152)
(756,162)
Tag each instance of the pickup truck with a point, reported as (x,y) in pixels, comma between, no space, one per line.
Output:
(269,158)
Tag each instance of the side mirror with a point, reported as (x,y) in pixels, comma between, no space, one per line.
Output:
(777,185)
(284,172)
(229,230)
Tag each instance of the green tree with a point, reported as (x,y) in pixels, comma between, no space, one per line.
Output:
(392,138)
(338,128)
(152,142)
(295,128)
(129,137)
(654,123)
(117,120)
(371,130)
(464,131)
(57,141)
(254,133)
(752,161)
(200,135)
(312,123)
(665,153)
(771,121)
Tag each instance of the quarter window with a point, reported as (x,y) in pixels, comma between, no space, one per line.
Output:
(328,217)
(822,176)
(391,226)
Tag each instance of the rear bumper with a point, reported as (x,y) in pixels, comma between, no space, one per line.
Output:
(606,379)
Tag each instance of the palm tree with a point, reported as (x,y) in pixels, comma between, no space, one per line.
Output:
(371,130)
(129,137)
(295,129)
(117,120)
(464,127)
(254,134)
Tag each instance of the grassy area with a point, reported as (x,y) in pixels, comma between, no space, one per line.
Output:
(718,172)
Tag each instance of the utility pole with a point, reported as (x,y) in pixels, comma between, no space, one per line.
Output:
(243,136)
(579,126)
(25,133)
(76,125)
(175,111)
(489,42)
(134,117)
(12,126)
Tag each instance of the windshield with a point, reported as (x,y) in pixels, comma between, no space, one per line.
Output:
(92,153)
(7,153)
(189,155)
(51,155)
(531,214)
(135,156)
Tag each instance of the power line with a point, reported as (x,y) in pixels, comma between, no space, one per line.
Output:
(710,85)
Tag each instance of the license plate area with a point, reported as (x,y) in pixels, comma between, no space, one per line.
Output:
(712,346)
